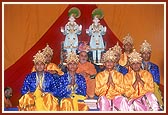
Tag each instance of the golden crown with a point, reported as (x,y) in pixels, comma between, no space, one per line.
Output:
(145,46)
(109,55)
(135,57)
(127,39)
(72,57)
(47,50)
(39,56)
(117,48)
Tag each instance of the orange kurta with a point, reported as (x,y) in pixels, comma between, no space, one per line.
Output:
(54,67)
(123,59)
(51,67)
(101,84)
(90,70)
(130,78)
(7,103)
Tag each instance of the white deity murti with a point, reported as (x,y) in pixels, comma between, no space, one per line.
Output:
(71,31)
(96,31)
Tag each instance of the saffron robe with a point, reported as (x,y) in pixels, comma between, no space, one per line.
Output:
(142,97)
(88,68)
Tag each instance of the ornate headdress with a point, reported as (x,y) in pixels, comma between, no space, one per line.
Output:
(117,48)
(47,50)
(72,57)
(127,39)
(75,12)
(135,57)
(98,13)
(145,47)
(39,56)
(109,55)
(83,46)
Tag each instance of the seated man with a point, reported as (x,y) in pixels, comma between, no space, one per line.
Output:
(139,86)
(39,89)
(50,67)
(7,96)
(128,48)
(72,87)
(118,51)
(146,51)
(86,69)
(109,86)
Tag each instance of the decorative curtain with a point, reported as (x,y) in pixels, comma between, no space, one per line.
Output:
(27,29)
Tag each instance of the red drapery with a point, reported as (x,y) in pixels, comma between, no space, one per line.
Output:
(15,74)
